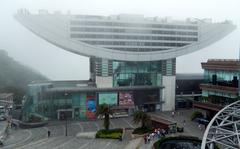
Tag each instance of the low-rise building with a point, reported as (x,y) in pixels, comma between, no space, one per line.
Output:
(6,99)
(221,84)
(79,99)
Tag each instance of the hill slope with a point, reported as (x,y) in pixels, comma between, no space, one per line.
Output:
(14,74)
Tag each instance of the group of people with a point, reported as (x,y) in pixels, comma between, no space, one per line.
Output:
(174,113)
(12,124)
(156,134)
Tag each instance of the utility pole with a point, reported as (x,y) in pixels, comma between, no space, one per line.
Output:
(66,94)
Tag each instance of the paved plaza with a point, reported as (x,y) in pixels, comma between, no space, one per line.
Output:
(2,126)
(36,138)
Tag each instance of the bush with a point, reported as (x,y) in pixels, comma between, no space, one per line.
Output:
(142,130)
(196,114)
(110,134)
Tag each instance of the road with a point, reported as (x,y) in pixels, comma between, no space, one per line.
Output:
(36,138)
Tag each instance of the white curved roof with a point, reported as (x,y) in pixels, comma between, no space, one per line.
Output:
(56,31)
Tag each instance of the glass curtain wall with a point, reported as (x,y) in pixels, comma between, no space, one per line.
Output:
(137,73)
(49,105)
(221,75)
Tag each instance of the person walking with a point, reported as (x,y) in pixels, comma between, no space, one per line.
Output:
(199,126)
(148,138)
(145,139)
(173,113)
(158,134)
(48,133)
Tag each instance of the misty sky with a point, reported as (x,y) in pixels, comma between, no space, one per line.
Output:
(58,64)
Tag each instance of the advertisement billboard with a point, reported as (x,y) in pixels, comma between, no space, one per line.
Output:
(91,107)
(108,98)
(126,99)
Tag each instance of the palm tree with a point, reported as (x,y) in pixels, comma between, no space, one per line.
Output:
(104,110)
(143,118)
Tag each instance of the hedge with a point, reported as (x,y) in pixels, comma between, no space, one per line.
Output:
(196,114)
(110,134)
(142,130)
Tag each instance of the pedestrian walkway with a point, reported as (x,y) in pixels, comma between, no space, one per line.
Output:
(135,143)
(190,128)
(148,145)
(86,135)
(3,125)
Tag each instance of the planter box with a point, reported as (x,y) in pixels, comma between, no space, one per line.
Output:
(32,125)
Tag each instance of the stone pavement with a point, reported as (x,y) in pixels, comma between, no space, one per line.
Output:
(37,137)
(86,135)
(191,128)
(2,126)
(134,144)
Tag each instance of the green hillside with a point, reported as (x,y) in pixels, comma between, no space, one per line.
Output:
(14,77)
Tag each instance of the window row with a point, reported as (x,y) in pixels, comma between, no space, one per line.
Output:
(139,49)
(132,31)
(133,37)
(167,26)
(135,43)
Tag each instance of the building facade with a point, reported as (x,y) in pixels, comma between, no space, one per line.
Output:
(221,84)
(79,99)
(188,89)
(127,50)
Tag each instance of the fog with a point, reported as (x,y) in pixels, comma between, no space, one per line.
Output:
(58,64)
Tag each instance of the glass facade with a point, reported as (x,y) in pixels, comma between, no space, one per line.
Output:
(131,24)
(136,31)
(129,35)
(142,73)
(50,103)
(133,37)
(220,85)
(221,75)
(82,105)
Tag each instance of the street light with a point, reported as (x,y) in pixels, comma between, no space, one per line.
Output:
(65,113)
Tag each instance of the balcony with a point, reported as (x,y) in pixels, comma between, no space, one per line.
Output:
(226,89)
(207,106)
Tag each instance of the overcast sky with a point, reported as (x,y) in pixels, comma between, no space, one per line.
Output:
(58,64)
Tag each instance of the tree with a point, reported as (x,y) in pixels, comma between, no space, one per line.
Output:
(104,110)
(143,118)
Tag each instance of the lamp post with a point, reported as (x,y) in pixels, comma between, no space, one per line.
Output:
(65,114)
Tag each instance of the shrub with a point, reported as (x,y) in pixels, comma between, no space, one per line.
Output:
(110,134)
(196,114)
(142,130)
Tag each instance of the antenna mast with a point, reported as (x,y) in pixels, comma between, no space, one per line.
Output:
(239,53)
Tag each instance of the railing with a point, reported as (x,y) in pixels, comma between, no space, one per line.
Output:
(207,105)
(217,87)
(223,60)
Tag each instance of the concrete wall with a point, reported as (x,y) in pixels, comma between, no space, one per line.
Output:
(168,93)
(104,81)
